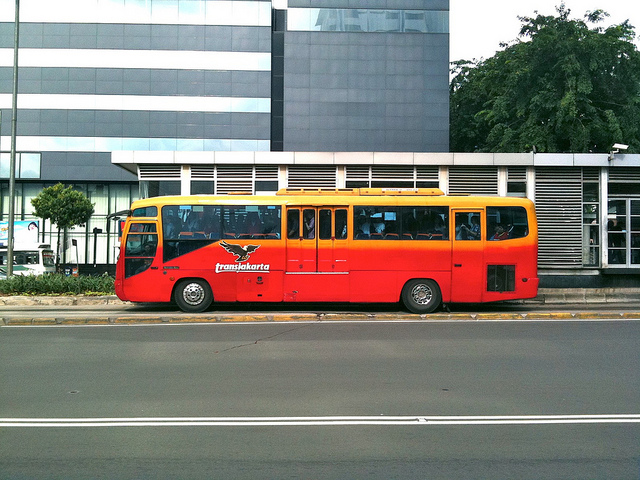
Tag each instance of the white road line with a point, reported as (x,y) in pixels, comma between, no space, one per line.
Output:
(316,421)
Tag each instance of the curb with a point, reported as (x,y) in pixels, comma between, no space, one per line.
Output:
(317,318)
(555,297)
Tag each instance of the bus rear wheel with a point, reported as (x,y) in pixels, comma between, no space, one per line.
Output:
(193,296)
(421,295)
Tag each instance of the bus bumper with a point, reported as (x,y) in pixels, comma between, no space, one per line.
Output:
(530,287)
(119,290)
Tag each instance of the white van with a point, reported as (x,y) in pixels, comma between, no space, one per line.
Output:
(29,259)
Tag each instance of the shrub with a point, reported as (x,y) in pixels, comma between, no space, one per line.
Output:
(57,284)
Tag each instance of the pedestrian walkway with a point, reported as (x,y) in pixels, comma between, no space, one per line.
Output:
(546,296)
(587,296)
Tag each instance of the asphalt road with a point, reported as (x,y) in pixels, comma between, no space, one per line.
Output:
(322,400)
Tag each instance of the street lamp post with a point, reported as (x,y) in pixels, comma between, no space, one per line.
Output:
(12,159)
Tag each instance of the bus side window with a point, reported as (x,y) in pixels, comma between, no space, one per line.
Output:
(425,223)
(467,226)
(505,223)
(341,224)
(309,226)
(293,223)
(361,225)
(324,219)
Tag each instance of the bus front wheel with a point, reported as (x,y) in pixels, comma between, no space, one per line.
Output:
(421,295)
(193,296)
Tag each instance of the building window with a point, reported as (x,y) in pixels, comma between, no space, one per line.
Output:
(391,176)
(363,20)
(27,165)
(158,12)
(590,224)
(517,182)
(623,230)
(202,188)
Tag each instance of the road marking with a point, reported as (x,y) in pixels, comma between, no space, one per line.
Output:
(316,421)
(184,322)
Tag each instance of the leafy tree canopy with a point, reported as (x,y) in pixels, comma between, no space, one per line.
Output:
(564,85)
(65,207)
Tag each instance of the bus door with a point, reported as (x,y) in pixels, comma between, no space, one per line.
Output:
(332,240)
(301,239)
(317,253)
(467,267)
(140,262)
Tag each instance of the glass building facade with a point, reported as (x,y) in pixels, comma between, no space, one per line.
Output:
(371,78)
(98,77)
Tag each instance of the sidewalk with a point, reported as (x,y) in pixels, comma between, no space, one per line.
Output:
(554,296)
(546,296)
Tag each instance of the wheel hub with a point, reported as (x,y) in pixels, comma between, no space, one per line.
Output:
(193,294)
(421,294)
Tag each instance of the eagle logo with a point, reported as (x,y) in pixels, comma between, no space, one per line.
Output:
(241,252)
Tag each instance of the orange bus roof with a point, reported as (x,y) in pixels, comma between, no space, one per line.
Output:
(431,192)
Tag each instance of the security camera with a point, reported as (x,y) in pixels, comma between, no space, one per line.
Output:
(620,146)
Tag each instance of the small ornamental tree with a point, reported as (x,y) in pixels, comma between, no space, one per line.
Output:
(64,207)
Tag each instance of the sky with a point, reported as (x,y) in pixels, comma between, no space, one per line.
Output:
(477,27)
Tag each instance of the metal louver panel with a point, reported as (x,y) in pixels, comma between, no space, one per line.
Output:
(159,172)
(357,172)
(624,175)
(266,172)
(400,172)
(517,174)
(392,173)
(559,211)
(473,180)
(424,173)
(590,174)
(234,179)
(316,176)
(199,172)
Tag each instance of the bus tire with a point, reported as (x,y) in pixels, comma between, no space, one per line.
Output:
(193,295)
(421,295)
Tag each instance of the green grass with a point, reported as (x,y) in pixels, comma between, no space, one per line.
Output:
(57,284)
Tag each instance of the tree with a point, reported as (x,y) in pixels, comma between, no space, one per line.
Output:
(560,87)
(65,207)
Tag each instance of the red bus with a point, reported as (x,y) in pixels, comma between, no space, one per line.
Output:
(416,246)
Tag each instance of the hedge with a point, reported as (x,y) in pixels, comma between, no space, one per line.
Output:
(57,284)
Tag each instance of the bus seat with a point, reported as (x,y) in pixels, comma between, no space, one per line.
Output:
(229,235)
(423,236)
(244,235)
(407,236)
(392,236)
(273,235)
(362,236)
(258,235)
(376,236)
